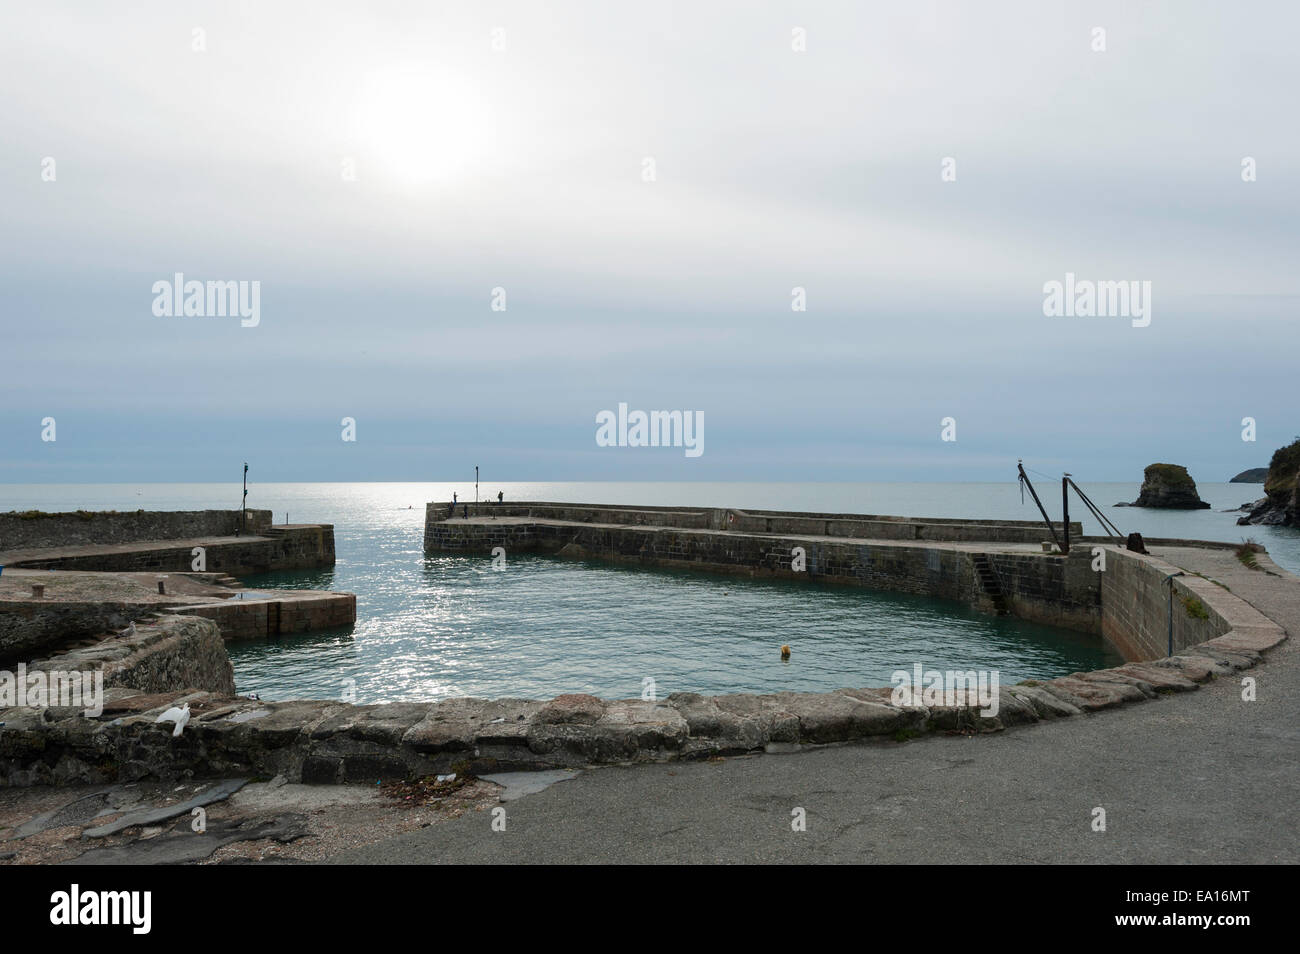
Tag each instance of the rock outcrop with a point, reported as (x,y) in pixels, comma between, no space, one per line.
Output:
(1281,506)
(1256,475)
(1169,487)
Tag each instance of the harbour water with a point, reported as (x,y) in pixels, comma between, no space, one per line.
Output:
(440,626)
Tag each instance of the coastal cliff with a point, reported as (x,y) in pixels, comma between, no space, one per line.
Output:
(1256,475)
(1281,506)
(1170,487)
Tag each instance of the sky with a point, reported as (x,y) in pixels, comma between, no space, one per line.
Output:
(644,187)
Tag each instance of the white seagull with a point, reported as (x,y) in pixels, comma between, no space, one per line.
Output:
(177,715)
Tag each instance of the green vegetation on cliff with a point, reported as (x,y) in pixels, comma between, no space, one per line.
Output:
(1173,476)
(1282,470)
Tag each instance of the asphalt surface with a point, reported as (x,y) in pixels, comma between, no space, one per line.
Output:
(1199,777)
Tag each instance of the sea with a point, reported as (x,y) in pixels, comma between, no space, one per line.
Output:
(439,626)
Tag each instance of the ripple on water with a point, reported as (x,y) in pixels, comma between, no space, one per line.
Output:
(451,626)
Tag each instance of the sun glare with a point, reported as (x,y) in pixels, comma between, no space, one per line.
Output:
(418,127)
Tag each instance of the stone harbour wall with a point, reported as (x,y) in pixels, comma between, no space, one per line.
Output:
(324,742)
(276,548)
(286,613)
(859,526)
(29,628)
(1137,613)
(29,529)
(1048,588)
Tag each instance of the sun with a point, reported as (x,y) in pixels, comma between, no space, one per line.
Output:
(417,126)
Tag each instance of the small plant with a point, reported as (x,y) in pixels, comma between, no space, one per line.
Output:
(1195,608)
(1246,553)
(904,735)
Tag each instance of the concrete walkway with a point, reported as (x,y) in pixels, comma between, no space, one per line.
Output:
(1198,777)
(17,558)
(981,546)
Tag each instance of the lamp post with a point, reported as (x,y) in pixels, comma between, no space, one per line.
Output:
(243,507)
(476,485)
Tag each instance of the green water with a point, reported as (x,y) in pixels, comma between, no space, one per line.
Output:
(453,626)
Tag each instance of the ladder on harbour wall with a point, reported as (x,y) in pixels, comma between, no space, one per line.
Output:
(989,583)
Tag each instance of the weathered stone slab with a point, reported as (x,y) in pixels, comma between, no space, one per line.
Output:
(1197,669)
(1240,659)
(1013,709)
(384,724)
(448,726)
(217,793)
(1159,677)
(1046,704)
(1255,638)
(652,723)
(1190,659)
(775,722)
(287,723)
(706,720)
(1110,677)
(838,717)
(504,722)
(873,715)
(573,709)
(1091,696)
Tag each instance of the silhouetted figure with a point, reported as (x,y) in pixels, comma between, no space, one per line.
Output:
(500,496)
(464,511)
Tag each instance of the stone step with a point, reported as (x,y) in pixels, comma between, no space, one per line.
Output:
(989,583)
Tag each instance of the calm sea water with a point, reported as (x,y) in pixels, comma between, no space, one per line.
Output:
(431,627)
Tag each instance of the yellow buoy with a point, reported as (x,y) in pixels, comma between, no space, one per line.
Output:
(785,652)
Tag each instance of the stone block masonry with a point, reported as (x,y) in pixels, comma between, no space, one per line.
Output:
(1138,613)
(162,656)
(922,557)
(856,526)
(288,612)
(275,548)
(984,564)
(34,528)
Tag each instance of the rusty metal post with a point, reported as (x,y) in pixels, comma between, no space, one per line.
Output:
(1065,513)
(1025,482)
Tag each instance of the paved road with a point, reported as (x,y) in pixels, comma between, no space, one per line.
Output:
(1199,777)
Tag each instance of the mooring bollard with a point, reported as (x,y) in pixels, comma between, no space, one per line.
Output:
(38,591)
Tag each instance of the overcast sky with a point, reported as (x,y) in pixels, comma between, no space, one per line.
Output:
(504,145)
